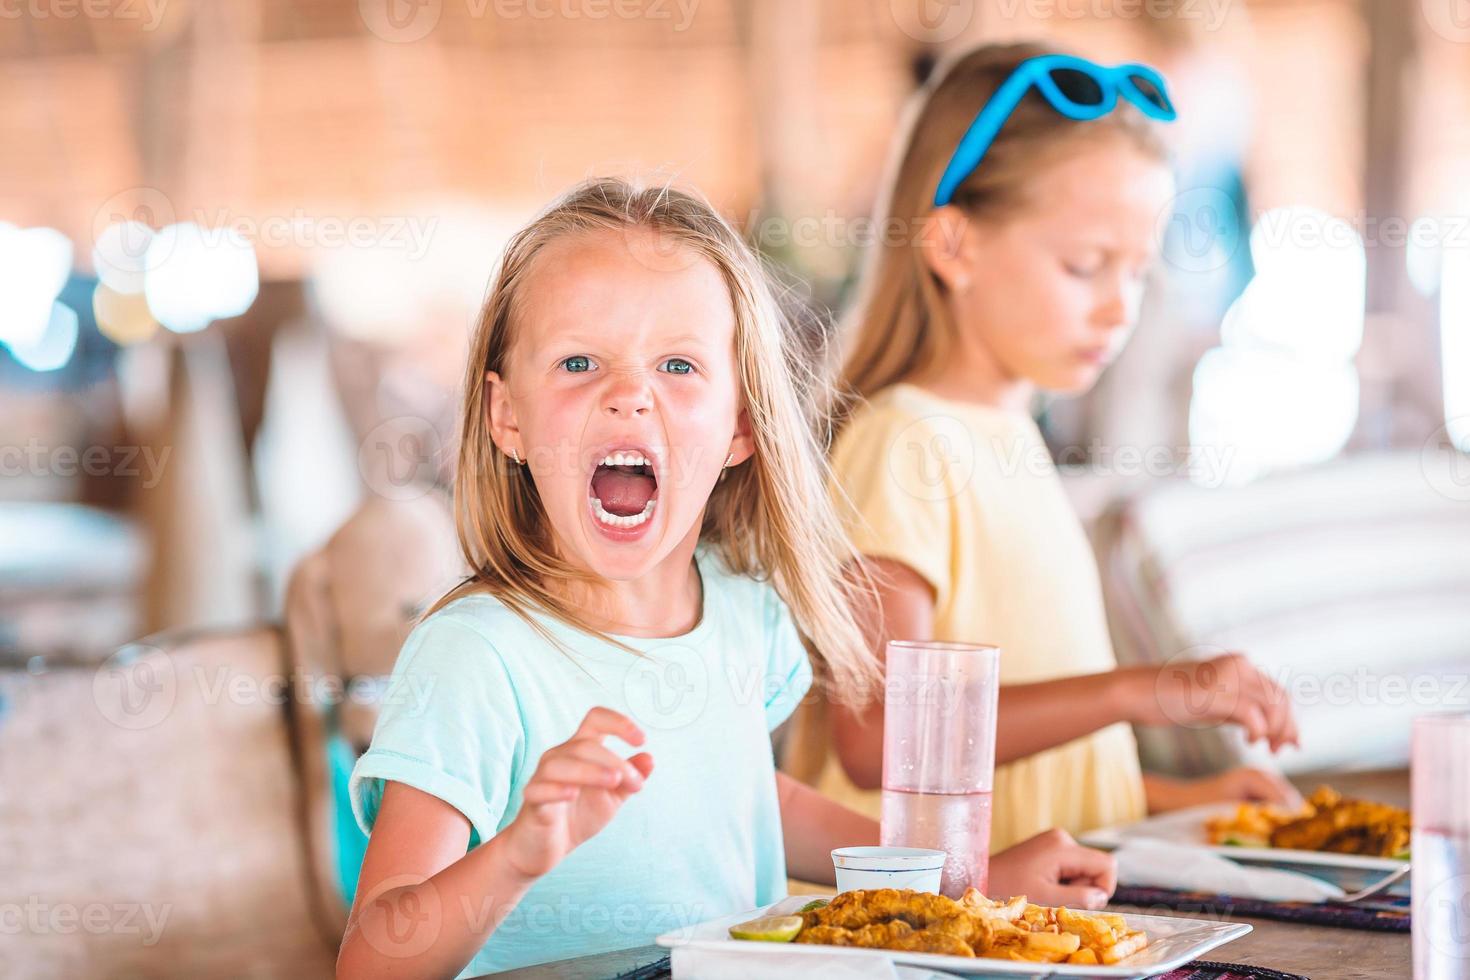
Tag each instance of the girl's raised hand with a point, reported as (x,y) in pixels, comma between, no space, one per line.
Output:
(577,788)
(1224,689)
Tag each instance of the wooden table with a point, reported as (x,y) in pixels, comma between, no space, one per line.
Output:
(1320,952)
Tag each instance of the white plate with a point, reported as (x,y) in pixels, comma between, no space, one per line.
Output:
(1172,942)
(1188,827)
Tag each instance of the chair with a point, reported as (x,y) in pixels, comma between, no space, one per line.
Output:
(349,607)
(149,815)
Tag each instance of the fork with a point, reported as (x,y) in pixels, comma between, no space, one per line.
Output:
(1374,888)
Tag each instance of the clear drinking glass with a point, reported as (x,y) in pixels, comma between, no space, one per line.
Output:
(1440,769)
(939,754)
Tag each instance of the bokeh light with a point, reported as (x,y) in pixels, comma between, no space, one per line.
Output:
(120,256)
(34,266)
(1454,340)
(54,347)
(121,317)
(195,277)
(1282,390)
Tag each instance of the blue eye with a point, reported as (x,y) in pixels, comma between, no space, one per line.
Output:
(677,365)
(577,363)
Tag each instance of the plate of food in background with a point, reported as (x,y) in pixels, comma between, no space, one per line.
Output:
(972,936)
(1328,830)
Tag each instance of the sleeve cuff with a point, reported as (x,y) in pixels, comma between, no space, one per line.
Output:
(932,568)
(380,765)
(798,682)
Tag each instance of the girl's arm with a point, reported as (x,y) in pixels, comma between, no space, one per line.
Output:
(424,907)
(1043,715)
(812,825)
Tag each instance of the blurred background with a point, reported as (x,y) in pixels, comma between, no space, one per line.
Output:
(241,246)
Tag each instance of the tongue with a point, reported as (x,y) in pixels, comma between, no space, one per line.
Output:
(621,492)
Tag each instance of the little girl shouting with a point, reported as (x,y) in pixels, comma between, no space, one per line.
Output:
(643,500)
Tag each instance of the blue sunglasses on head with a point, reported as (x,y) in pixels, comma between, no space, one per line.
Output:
(1075,87)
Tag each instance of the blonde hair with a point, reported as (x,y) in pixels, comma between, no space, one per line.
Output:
(769,518)
(901,326)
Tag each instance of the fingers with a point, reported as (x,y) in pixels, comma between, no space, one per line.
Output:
(643,762)
(1250,717)
(583,762)
(1086,866)
(538,794)
(1078,897)
(1264,786)
(605,721)
(563,767)
(593,751)
(1280,717)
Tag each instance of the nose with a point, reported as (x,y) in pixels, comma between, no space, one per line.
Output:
(1117,307)
(626,394)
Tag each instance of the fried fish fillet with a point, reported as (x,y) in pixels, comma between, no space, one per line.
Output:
(894,934)
(1347,826)
(855,909)
(916,921)
(874,935)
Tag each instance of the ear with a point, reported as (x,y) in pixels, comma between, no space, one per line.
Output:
(949,247)
(500,415)
(742,446)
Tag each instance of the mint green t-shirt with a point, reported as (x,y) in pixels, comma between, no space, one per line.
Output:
(477,696)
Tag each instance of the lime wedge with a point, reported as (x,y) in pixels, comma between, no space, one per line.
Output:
(816,904)
(771,929)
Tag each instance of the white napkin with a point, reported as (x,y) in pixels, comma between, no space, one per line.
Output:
(693,963)
(1160,864)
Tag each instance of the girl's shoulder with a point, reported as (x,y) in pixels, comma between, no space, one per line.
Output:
(906,403)
(467,627)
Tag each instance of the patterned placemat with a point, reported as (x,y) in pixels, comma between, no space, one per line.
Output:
(1384,913)
(1205,970)
(1198,970)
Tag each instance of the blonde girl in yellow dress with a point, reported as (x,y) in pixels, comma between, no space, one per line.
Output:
(1026,278)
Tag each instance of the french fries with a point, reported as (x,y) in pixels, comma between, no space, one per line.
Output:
(1043,934)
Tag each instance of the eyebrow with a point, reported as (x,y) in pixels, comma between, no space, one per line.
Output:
(592,340)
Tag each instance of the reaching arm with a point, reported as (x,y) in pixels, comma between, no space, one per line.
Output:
(1031,717)
(813,825)
(1034,717)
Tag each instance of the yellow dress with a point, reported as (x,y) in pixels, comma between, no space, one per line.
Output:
(967,496)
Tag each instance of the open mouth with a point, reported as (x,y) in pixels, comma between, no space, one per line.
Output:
(624,490)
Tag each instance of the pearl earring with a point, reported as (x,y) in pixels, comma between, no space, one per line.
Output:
(515,456)
(728,460)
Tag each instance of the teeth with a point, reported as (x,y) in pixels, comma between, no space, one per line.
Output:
(626,459)
(615,520)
